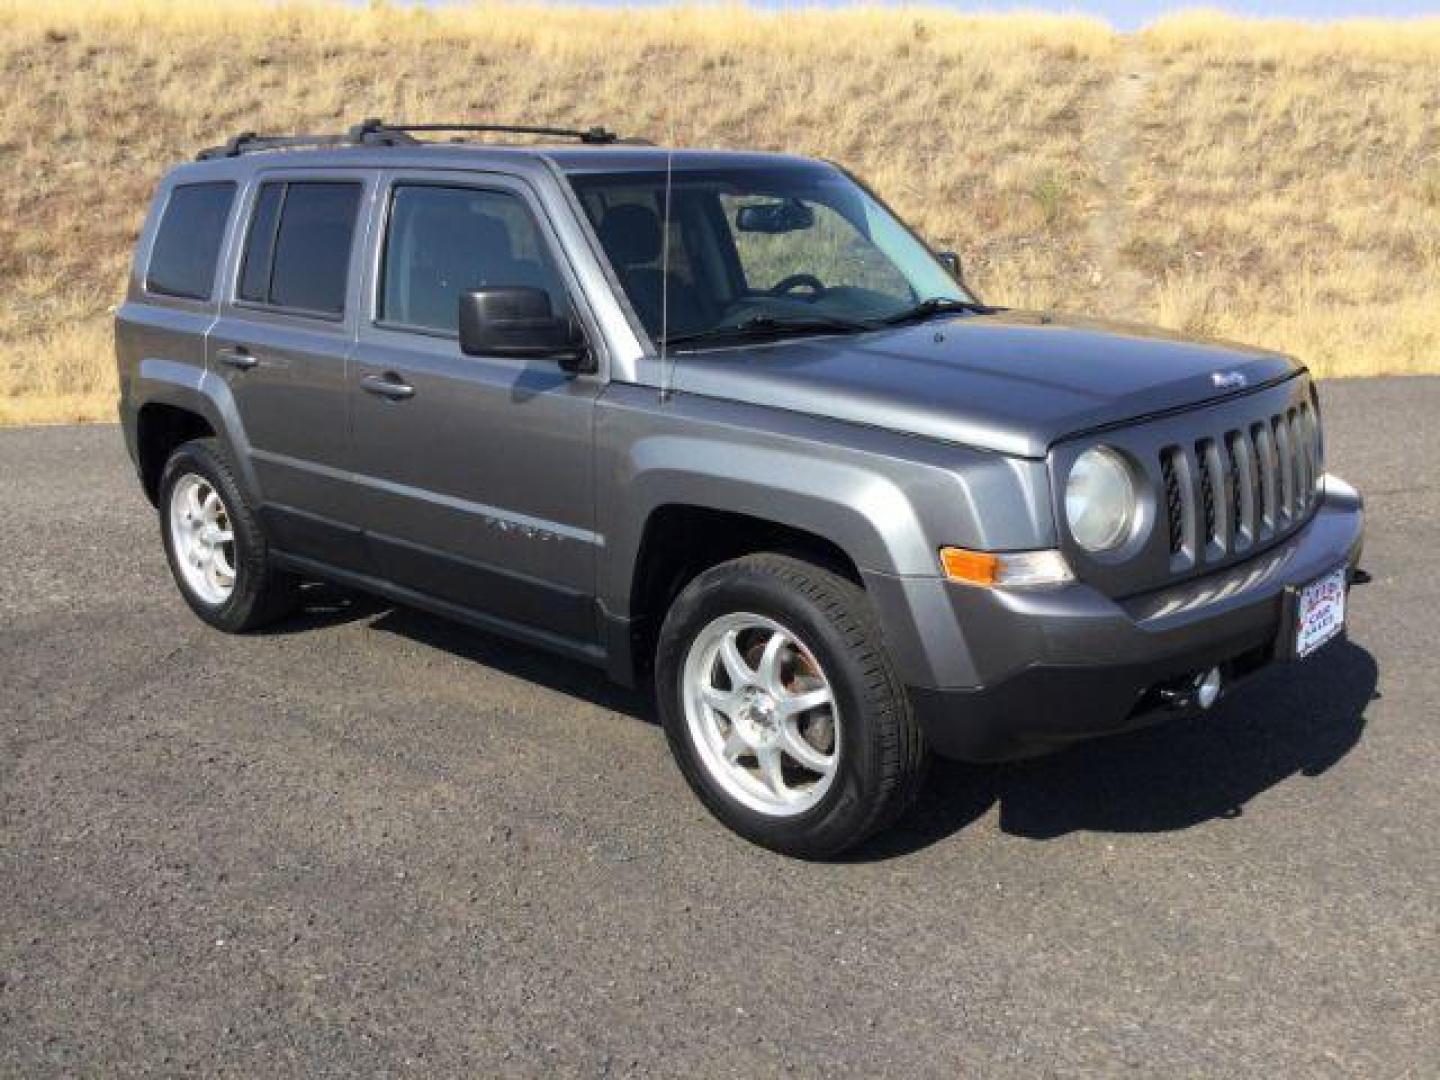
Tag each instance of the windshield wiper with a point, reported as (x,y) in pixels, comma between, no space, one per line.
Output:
(766,326)
(939,305)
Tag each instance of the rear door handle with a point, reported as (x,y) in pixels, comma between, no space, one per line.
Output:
(388,385)
(238,357)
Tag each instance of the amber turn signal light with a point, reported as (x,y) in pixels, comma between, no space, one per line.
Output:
(974,567)
(1006,569)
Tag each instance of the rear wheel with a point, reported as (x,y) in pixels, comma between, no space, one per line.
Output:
(216,548)
(783,708)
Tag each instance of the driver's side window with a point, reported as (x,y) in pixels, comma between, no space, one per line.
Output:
(829,249)
(442,241)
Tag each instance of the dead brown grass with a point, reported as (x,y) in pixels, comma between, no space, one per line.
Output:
(1286,189)
(1276,185)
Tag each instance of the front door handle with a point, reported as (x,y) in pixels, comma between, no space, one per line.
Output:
(238,357)
(388,385)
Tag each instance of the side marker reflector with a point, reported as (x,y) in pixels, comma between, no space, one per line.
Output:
(973,567)
(1006,569)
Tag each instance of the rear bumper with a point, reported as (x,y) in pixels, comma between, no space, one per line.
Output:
(1069,664)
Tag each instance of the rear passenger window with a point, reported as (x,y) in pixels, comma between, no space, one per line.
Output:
(297,254)
(443,241)
(187,243)
(260,246)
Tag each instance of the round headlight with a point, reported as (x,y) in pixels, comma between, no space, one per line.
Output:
(1100,499)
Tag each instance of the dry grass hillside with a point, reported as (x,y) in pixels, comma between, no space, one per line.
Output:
(1263,181)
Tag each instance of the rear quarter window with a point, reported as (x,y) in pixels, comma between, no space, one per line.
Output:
(187,242)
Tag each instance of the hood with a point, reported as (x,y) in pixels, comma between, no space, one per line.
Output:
(1013,382)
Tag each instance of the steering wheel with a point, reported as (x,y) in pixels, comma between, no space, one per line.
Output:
(788,285)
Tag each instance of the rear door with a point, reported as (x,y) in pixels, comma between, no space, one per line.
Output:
(477,472)
(283,344)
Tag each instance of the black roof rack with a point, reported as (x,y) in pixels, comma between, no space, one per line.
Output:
(374,132)
(248,142)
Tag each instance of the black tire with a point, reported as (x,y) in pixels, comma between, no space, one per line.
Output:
(882,754)
(261,593)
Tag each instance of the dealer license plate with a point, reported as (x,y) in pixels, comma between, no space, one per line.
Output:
(1320,612)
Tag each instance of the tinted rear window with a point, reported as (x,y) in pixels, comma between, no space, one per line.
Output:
(187,243)
(302,261)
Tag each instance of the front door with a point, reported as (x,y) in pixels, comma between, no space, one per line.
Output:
(476,471)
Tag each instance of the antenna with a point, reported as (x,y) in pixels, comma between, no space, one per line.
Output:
(665,268)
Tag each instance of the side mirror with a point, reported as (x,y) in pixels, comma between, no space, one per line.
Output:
(951,262)
(518,321)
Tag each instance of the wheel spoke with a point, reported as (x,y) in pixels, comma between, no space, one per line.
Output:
(223,566)
(210,506)
(796,745)
(724,702)
(192,503)
(735,745)
(769,666)
(741,674)
(212,575)
(794,704)
(769,760)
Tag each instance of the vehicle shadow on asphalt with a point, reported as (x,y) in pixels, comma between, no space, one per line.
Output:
(569,677)
(323,605)
(1291,719)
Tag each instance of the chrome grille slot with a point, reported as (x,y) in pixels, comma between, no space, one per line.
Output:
(1268,475)
(1204,451)
(1242,488)
(1302,469)
(1310,463)
(1215,472)
(1285,466)
(1176,504)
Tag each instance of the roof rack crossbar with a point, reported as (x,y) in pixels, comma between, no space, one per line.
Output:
(249,142)
(374,132)
(379,131)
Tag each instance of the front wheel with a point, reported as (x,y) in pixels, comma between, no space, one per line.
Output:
(782,706)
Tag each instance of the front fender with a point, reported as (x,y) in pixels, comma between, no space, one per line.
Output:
(866,514)
(888,501)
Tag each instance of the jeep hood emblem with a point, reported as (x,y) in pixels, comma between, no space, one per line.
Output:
(1228,380)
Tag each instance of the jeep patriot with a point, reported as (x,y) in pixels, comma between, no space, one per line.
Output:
(718,422)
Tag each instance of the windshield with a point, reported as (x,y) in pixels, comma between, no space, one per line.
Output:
(798,246)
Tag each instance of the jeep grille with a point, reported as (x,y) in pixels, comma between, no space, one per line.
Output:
(1237,489)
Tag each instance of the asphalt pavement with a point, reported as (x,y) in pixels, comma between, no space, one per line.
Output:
(371,842)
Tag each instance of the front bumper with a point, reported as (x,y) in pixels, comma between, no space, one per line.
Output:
(1049,668)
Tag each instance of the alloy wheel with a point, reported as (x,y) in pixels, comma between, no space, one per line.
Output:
(761,714)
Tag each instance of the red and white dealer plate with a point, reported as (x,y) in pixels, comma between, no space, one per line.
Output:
(1320,612)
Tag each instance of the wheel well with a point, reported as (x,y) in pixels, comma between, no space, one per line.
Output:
(160,429)
(681,542)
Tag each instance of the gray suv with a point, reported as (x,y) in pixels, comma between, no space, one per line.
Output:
(721,422)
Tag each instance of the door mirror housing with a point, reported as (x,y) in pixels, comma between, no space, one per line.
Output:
(951,261)
(515,320)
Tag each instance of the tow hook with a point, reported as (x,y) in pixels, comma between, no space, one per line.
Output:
(1200,691)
